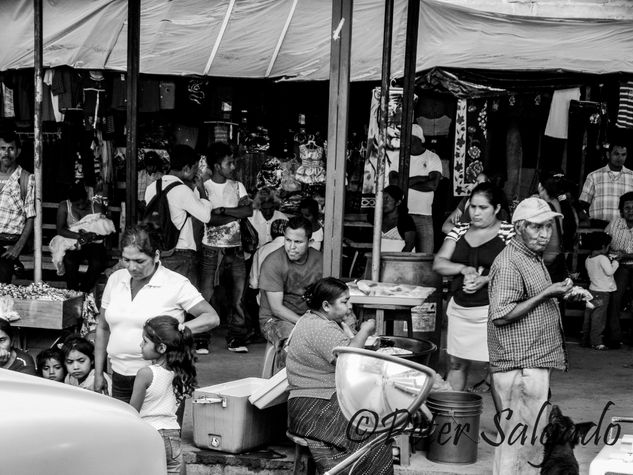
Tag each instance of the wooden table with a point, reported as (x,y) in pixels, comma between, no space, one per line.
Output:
(372,303)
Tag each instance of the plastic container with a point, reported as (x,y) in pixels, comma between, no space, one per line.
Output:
(455,436)
(271,392)
(225,420)
(421,349)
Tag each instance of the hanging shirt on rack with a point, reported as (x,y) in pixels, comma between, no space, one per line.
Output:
(625,108)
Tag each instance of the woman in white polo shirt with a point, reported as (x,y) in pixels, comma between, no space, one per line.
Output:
(144,289)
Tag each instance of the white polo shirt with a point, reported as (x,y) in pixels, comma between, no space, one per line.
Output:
(167,293)
(420,202)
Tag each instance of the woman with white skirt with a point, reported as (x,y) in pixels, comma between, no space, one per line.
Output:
(467,254)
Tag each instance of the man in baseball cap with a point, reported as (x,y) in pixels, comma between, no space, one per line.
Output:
(525,339)
(425,172)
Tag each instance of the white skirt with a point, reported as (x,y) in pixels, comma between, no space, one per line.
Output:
(467,335)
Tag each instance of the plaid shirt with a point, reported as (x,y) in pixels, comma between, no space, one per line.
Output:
(602,190)
(13,211)
(535,341)
(622,237)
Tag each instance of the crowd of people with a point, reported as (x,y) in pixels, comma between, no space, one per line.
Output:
(159,305)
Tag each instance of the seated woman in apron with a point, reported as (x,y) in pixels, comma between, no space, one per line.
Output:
(398,229)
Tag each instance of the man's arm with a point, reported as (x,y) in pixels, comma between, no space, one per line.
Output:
(13,252)
(279,310)
(425,183)
(521,309)
(199,208)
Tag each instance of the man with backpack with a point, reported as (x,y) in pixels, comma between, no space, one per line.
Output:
(17,205)
(173,209)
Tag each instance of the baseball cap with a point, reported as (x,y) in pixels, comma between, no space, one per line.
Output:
(416,131)
(534,210)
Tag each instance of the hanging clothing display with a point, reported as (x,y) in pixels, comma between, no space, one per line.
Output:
(588,124)
(439,127)
(558,120)
(471,141)
(311,170)
(625,107)
(269,174)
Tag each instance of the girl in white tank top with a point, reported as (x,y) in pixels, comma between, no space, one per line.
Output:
(162,386)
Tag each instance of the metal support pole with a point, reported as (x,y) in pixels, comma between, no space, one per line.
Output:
(133,57)
(382,135)
(37,137)
(340,53)
(410,57)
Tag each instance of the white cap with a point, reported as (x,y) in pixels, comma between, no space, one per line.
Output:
(534,210)
(416,131)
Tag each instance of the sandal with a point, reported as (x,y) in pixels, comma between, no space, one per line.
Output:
(600,347)
(482,386)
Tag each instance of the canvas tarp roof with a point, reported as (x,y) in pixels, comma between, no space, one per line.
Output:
(291,38)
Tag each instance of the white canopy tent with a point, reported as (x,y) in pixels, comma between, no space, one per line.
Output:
(291,38)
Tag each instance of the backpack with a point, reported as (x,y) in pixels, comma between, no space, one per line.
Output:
(157,214)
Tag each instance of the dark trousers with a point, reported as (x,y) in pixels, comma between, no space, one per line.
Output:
(623,280)
(97,258)
(218,262)
(596,319)
(6,270)
(185,262)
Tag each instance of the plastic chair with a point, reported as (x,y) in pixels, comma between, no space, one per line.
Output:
(304,464)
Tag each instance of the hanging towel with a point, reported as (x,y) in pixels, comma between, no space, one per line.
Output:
(625,109)
(558,120)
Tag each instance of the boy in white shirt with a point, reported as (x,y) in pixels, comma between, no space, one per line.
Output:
(600,269)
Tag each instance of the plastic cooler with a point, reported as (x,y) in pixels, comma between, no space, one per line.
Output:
(225,420)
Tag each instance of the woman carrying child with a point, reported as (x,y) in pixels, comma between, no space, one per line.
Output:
(600,269)
(50,364)
(313,408)
(13,358)
(79,357)
(160,387)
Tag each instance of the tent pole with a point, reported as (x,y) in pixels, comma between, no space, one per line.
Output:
(133,54)
(382,135)
(37,137)
(340,54)
(410,57)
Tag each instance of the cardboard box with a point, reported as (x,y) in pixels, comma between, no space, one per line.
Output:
(48,314)
(225,420)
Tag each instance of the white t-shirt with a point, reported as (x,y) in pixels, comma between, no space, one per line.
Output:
(420,202)
(167,293)
(224,195)
(182,200)
(262,226)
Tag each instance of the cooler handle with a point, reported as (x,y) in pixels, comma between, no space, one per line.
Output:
(210,400)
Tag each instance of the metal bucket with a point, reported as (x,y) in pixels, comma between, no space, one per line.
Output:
(455,435)
(421,349)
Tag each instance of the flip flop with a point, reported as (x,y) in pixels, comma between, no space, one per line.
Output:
(482,386)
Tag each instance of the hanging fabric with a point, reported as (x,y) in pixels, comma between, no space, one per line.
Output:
(558,120)
(459,158)
(625,109)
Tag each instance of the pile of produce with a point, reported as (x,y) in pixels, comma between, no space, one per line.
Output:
(40,291)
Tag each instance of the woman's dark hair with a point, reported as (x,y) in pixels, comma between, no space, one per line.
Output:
(628,196)
(398,195)
(50,354)
(143,236)
(493,194)
(77,192)
(180,355)
(6,327)
(324,290)
(299,222)
(311,205)
(553,182)
(74,342)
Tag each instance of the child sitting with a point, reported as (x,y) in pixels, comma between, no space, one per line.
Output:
(79,357)
(600,269)
(162,386)
(50,364)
